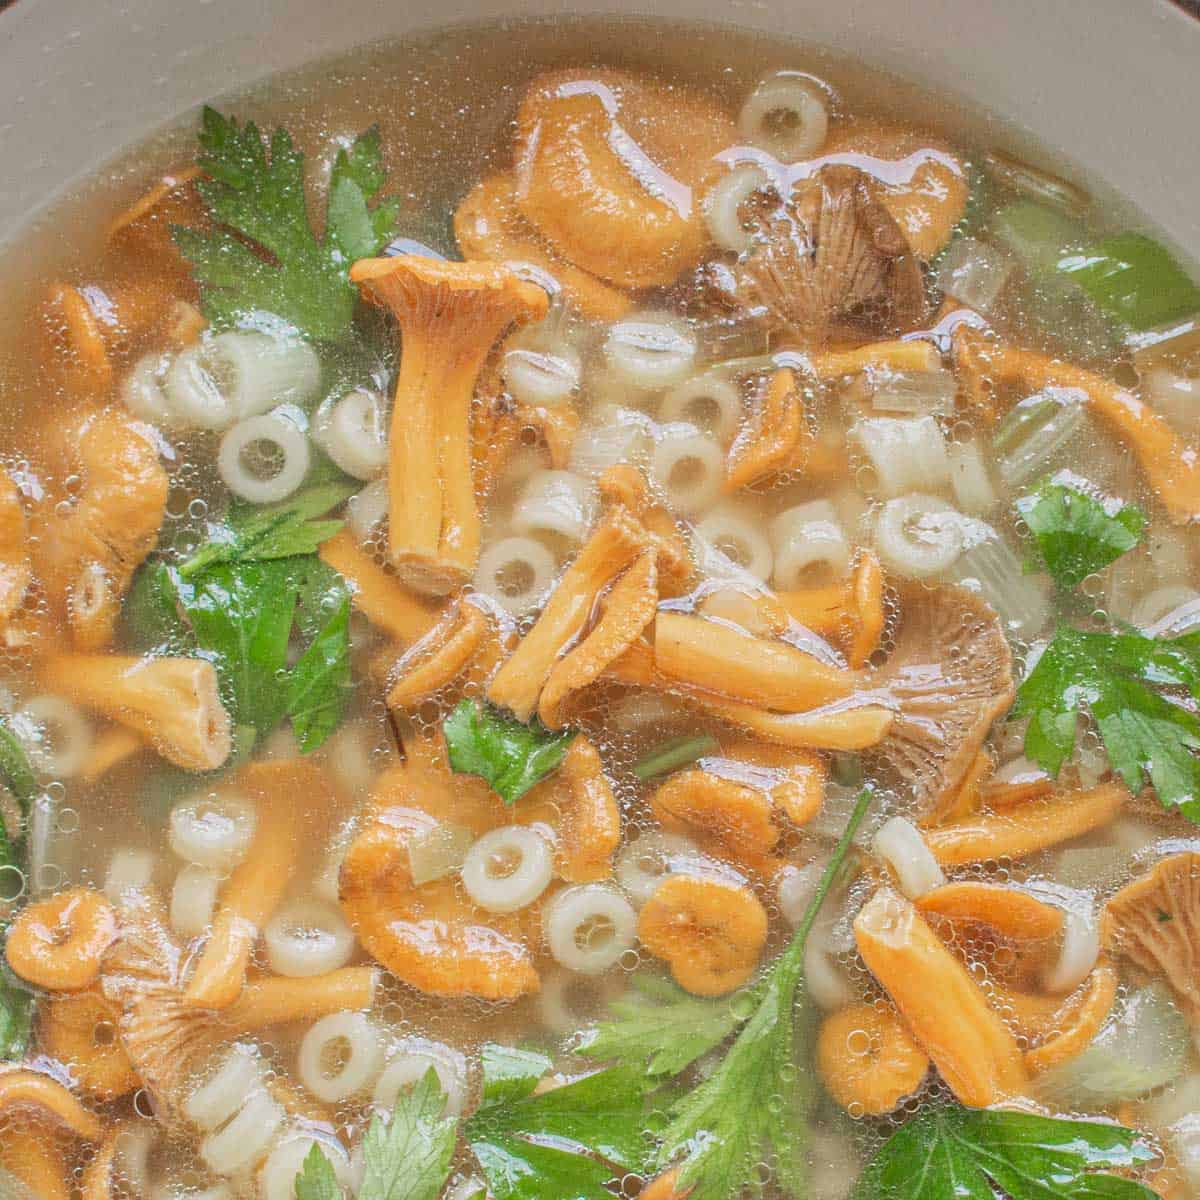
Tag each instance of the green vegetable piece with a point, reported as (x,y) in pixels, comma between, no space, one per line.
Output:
(661,1025)
(256,202)
(674,753)
(1134,279)
(285,530)
(15,771)
(1078,533)
(566,1142)
(1114,677)
(149,617)
(16,1015)
(950,1151)
(317,1180)
(757,1100)
(319,686)
(510,756)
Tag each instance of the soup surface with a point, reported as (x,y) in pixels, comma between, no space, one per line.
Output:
(598,610)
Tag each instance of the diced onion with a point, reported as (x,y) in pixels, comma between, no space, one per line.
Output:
(559,503)
(588,927)
(1035,431)
(1036,183)
(308,937)
(900,844)
(1080,949)
(796,887)
(736,535)
(280,472)
(824,980)
(366,510)
(213,830)
(990,566)
(689,467)
(542,377)
(711,402)
(516,572)
(612,435)
(970,479)
(906,453)
(508,868)
(916,393)
(974,273)
(918,536)
(194,900)
(216,1100)
(56,736)
(130,874)
(277,1179)
(339,1056)
(786,114)
(637,711)
(411,1060)
(1167,611)
(244,1140)
(644,863)
(723,207)
(235,375)
(352,430)
(810,545)
(439,852)
(650,351)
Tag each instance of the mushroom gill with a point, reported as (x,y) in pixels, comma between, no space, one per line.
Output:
(829,257)
(948,678)
(1155,923)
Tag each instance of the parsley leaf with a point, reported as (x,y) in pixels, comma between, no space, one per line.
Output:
(1114,676)
(976,1153)
(564,1143)
(406,1159)
(16,1014)
(756,1101)
(512,757)
(262,255)
(319,685)
(317,1180)
(661,1025)
(1078,533)
(295,526)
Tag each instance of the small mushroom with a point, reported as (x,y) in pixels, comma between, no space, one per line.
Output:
(851,611)
(625,485)
(173,702)
(710,931)
(489,227)
(435,660)
(610,167)
(86,558)
(450,315)
(948,678)
(1155,923)
(617,541)
(831,257)
(15,569)
(768,442)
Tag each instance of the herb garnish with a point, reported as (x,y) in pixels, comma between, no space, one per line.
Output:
(481,740)
(262,255)
(1115,677)
(976,1154)
(1078,533)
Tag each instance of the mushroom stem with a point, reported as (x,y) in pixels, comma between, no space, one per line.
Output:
(24,1089)
(14,550)
(719,658)
(1170,464)
(436,660)
(382,599)
(173,702)
(834,727)
(616,542)
(974,1051)
(767,443)
(591,826)
(851,611)
(278,1001)
(450,314)
(1027,829)
(257,885)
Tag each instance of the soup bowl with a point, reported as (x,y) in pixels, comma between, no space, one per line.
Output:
(1111,85)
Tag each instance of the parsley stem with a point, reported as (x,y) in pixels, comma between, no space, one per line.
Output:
(674,753)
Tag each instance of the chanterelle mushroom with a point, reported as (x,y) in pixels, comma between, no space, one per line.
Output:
(1155,923)
(450,314)
(830,255)
(948,679)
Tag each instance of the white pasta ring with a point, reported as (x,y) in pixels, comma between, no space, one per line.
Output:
(723,206)
(214,1101)
(588,927)
(411,1060)
(650,351)
(787,115)
(306,938)
(213,829)
(348,1040)
(259,476)
(194,900)
(508,868)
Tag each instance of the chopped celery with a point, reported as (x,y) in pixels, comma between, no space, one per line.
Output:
(1144,1046)
(1134,279)
(1039,236)
(1035,431)
(990,566)
(674,753)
